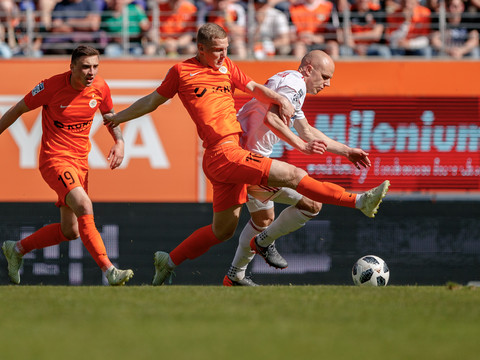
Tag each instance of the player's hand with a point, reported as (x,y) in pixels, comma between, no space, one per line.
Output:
(359,158)
(315,147)
(287,110)
(115,157)
(109,120)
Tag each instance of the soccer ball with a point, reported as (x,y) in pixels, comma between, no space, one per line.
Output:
(370,270)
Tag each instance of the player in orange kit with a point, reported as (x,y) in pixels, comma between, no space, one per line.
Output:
(70,101)
(205,85)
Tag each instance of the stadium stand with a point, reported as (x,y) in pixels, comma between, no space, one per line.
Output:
(353,28)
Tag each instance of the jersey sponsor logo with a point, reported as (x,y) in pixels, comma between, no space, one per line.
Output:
(38,88)
(198,72)
(215,89)
(223,70)
(296,97)
(223,89)
(197,94)
(92,103)
(73,127)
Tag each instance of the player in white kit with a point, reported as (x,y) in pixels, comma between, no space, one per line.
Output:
(263,128)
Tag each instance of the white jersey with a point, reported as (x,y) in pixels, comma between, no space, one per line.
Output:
(257,136)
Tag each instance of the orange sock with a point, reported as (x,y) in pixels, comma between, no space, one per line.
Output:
(93,241)
(326,192)
(195,245)
(46,236)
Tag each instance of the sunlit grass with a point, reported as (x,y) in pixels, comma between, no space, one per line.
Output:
(213,322)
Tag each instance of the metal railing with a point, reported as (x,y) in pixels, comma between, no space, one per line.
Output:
(29,32)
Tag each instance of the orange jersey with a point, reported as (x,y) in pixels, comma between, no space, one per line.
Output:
(67,115)
(207,94)
(311,18)
(176,22)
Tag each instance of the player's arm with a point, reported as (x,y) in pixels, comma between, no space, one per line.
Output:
(117,152)
(268,96)
(12,115)
(273,121)
(307,132)
(142,106)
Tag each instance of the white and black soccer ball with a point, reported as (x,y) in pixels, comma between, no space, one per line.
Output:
(370,270)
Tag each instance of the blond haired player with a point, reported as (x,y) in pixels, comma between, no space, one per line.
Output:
(69,102)
(205,85)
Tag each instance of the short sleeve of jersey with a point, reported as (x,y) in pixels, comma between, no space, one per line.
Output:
(293,88)
(239,78)
(39,95)
(107,102)
(169,86)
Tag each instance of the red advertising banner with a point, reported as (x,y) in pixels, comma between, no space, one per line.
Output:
(421,144)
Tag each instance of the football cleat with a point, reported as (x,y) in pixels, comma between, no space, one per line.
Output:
(117,277)
(14,259)
(270,254)
(162,271)
(246,281)
(373,198)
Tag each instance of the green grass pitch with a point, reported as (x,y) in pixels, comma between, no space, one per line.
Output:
(214,322)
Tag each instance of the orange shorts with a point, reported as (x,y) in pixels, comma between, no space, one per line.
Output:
(63,176)
(230,168)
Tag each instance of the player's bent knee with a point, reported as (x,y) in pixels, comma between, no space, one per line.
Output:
(285,174)
(225,236)
(71,234)
(315,207)
(309,205)
(264,223)
(85,207)
(263,219)
(298,175)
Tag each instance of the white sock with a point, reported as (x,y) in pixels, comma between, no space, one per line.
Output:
(18,248)
(289,220)
(170,263)
(359,201)
(109,269)
(244,254)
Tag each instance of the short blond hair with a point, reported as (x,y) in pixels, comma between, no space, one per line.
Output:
(209,32)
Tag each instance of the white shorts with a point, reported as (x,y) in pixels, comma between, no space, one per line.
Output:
(263,197)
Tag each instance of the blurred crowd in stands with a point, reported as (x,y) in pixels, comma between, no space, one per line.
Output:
(257,28)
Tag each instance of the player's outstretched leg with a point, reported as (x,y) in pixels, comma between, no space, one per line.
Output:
(14,260)
(270,254)
(246,281)
(371,199)
(162,270)
(117,277)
